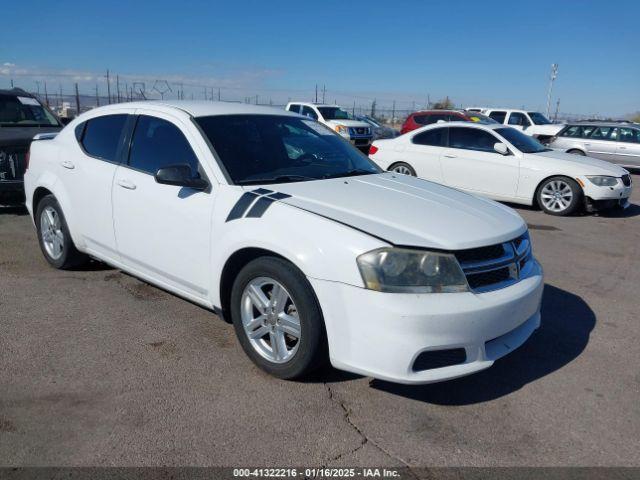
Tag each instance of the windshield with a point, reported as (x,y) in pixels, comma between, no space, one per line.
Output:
(333,113)
(538,118)
(263,149)
(16,111)
(370,121)
(522,142)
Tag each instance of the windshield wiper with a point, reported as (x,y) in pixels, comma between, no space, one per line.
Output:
(278,179)
(350,173)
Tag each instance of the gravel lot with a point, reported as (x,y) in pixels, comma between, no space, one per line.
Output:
(98,368)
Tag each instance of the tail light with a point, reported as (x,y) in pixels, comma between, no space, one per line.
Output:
(26,159)
(372,149)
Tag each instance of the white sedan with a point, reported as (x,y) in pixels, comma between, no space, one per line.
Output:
(502,163)
(279,225)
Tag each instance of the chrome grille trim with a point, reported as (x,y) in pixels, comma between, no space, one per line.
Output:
(516,258)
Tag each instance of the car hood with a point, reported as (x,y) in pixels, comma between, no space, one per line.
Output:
(408,211)
(22,136)
(550,129)
(349,123)
(579,165)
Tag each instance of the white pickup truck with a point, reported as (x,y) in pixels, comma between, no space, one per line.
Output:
(532,123)
(337,119)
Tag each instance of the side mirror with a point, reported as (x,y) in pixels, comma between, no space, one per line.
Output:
(180,176)
(501,148)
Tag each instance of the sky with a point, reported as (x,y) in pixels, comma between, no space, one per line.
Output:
(479,53)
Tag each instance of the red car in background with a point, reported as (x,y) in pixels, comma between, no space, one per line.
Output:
(427,117)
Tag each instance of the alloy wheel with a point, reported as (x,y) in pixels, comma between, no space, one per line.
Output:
(556,195)
(51,232)
(401,169)
(270,319)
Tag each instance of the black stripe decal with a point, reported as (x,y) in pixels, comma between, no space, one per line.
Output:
(260,207)
(261,191)
(278,196)
(241,206)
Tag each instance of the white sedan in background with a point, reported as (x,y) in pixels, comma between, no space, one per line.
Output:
(504,164)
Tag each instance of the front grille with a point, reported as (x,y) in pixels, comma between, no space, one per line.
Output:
(12,163)
(439,359)
(484,279)
(495,266)
(626,180)
(362,131)
(483,253)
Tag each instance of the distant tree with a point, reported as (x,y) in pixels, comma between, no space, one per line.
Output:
(636,118)
(444,104)
(373,109)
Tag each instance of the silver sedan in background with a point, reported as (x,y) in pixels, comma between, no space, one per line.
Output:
(616,142)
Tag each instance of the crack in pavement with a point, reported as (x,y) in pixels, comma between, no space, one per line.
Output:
(364,439)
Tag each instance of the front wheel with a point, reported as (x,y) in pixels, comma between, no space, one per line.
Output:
(277,318)
(403,168)
(559,196)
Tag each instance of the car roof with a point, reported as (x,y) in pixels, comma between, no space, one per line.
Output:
(489,126)
(422,112)
(602,124)
(17,92)
(200,108)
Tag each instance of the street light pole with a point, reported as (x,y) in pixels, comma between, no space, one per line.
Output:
(554,75)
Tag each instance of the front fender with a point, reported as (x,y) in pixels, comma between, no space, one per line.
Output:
(319,247)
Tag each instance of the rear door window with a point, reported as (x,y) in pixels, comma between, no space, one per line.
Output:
(294,108)
(517,118)
(102,136)
(498,116)
(471,139)
(431,118)
(602,133)
(157,143)
(308,111)
(630,135)
(435,138)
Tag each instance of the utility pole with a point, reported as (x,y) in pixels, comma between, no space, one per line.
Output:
(428,101)
(12,83)
(393,113)
(324,90)
(38,86)
(77,100)
(118,87)
(60,96)
(46,95)
(353,112)
(108,88)
(97,97)
(552,78)
(256,99)
(316,93)
(218,93)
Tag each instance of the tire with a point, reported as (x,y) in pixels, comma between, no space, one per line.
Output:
(575,151)
(559,196)
(293,357)
(54,237)
(402,168)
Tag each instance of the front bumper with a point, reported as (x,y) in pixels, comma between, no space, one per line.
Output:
(11,191)
(607,197)
(382,334)
(361,141)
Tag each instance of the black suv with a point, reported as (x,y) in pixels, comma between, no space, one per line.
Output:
(22,116)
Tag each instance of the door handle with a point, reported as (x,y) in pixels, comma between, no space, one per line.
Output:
(587,144)
(622,148)
(127,184)
(68,164)
(451,156)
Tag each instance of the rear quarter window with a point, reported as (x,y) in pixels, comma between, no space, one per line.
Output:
(101,136)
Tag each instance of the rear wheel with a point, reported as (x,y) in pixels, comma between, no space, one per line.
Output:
(575,151)
(277,318)
(559,196)
(53,235)
(403,168)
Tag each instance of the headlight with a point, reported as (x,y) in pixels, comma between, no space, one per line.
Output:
(603,181)
(403,270)
(342,130)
